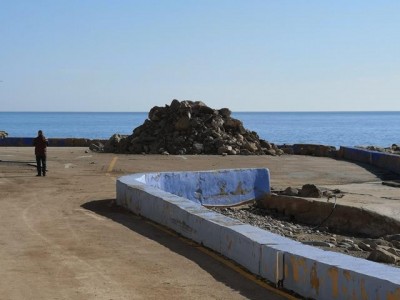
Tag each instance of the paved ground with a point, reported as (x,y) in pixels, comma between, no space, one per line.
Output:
(60,239)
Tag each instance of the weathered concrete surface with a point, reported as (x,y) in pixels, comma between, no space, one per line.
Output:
(308,271)
(342,217)
(71,245)
(212,188)
(60,239)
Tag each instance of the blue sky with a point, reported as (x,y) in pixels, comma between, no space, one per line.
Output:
(244,55)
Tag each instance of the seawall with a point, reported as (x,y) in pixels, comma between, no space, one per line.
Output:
(382,160)
(53,142)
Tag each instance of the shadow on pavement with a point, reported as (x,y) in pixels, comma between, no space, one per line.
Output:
(382,174)
(144,227)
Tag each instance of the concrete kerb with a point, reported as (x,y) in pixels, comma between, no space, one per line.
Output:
(382,160)
(308,271)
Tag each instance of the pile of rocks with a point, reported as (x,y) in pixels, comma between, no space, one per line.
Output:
(310,191)
(385,249)
(191,127)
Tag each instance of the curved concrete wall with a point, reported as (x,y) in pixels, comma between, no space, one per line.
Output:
(382,160)
(216,188)
(308,271)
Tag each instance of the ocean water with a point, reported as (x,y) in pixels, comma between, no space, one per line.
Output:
(328,128)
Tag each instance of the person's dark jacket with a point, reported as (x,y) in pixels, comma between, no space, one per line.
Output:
(40,143)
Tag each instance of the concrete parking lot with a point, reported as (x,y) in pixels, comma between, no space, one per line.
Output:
(62,239)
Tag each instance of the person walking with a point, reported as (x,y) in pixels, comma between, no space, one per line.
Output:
(40,143)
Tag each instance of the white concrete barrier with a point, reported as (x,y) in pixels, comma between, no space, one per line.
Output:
(308,271)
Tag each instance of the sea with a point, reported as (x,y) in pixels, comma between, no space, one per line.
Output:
(327,128)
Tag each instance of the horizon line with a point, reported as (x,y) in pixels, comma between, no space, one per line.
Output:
(233,111)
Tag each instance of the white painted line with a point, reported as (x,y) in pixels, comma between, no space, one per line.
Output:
(91,214)
(85,156)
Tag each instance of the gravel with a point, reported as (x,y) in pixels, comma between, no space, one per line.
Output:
(319,236)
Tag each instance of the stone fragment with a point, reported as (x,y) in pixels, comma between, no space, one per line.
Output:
(332,239)
(3,134)
(392,237)
(381,255)
(310,190)
(347,240)
(270,152)
(290,191)
(345,245)
(183,123)
(364,246)
(97,147)
(319,244)
(355,247)
(396,244)
(198,148)
(394,251)
(224,149)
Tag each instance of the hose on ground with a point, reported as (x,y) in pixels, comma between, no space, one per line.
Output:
(324,220)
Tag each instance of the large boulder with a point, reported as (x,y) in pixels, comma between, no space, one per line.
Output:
(190,127)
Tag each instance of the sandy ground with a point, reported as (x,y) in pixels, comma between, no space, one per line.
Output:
(61,239)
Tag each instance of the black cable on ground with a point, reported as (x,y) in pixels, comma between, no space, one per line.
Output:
(324,220)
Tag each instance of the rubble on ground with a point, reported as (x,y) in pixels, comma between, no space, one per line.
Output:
(310,191)
(385,249)
(190,127)
(394,149)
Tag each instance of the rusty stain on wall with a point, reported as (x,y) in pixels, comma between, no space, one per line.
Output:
(354,297)
(297,263)
(334,275)
(344,290)
(222,188)
(229,244)
(346,275)
(314,280)
(239,190)
(393,296)
(364,294)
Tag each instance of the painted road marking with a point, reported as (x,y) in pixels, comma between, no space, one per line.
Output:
(91,214)
(112,164)
(85,156)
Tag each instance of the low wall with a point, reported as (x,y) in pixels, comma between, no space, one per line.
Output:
(213,188)
(309,149)
(308,271)
(382,160)
(343,218)
(53,142)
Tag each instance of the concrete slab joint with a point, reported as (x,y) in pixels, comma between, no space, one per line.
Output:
(178,200)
